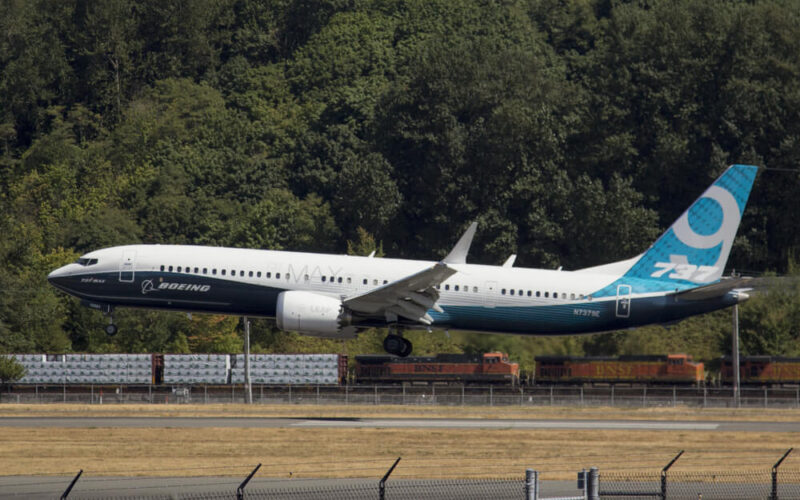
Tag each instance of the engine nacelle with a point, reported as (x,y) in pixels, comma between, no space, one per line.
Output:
(313,314)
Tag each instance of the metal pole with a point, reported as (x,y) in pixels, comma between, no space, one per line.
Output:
(382,483)
(735,357)
(593,484)
(664,475)
(248,389)
(774,495)
(531,484)
(240,489)
(69,488)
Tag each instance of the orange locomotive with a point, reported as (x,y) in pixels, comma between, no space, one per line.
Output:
(762,370)
(492,367)
(670,368)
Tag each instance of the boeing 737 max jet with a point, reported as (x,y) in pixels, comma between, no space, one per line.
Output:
(338,295)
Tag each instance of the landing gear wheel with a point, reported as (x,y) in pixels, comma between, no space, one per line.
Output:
(111,329)
(397,345)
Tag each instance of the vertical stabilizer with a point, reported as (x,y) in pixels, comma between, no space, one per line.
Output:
(694,250)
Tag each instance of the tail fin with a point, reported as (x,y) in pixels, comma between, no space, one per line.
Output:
(694,250)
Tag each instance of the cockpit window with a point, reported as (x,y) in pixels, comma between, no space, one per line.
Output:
(83,261)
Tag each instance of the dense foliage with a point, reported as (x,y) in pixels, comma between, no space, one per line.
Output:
(572,130)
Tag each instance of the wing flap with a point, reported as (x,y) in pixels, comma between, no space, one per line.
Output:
(410,297)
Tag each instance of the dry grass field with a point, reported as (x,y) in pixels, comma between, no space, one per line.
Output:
(427,453)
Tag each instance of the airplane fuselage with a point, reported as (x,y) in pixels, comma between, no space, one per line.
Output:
(476,298)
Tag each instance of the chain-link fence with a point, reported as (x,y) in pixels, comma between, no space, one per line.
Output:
(450,395)
(686,485)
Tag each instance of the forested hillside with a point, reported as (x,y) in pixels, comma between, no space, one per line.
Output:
(573,131)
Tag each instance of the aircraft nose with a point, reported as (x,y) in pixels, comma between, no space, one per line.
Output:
(57,276)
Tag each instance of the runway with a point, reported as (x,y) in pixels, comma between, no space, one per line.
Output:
(395,423)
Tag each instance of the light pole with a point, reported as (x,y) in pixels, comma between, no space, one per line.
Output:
(735,355)
(248,389)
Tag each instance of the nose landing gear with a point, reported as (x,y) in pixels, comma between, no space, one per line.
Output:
(110,328)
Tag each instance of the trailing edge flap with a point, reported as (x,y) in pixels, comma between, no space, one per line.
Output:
(409,297)
(458,255)
(713,290)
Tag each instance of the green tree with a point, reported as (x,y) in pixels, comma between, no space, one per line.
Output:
(11,370)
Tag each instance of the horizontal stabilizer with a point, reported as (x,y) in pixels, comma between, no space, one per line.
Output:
(714,290)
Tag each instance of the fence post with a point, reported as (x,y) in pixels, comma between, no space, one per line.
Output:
(644,397)
(774,495)
(491,395)
(69,488)
(664,475)
(674,397)
(382,483)
(531,484)
(593,486)
(240,489)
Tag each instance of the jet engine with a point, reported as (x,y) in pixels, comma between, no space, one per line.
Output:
(313,314)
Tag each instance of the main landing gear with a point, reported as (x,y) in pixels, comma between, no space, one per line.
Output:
(395,344)
(110,328)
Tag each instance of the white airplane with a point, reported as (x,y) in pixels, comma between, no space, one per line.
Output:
(335,296)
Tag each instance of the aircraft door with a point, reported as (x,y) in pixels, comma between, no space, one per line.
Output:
(490,294)
(127,266)
(623,301)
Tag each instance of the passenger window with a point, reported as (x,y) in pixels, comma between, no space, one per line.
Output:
(223,272)
(546,295)
(447,287)
(475,289)
(520,293)
(466,288)
(538,293)
(179,269)
(340,279)
(205,270)
(196,270)
(529,293)
(375,282)
(170,268)
(287,276)
(214,272)
(324,278)
(572,296)
(564,295)
(269,274)
(233,272)
(455,288)
(305,278)
(503,291)
(162,268)
(365,281)
(277,276)
(511,292)
(580,296)
(349,280)
(241,273)
(384,282)
(258,274)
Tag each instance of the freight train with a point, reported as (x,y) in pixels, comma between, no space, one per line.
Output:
(332,369)
(489,368)
(656,369)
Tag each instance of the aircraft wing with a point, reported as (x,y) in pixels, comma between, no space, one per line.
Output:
(408,297)
(717,289)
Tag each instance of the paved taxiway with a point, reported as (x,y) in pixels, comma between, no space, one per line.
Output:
(397,423)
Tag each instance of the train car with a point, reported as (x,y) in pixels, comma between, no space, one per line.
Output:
(669,368)
(762,370)
(490,368)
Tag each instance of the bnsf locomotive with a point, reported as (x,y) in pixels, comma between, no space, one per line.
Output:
(491,368)
(670,368)
(761,370)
